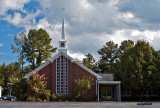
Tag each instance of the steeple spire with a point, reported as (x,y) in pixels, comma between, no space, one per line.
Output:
(63,42)
(63,33)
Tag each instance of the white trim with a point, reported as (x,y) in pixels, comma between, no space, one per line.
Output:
(96,87)
(109,82)
(67,56)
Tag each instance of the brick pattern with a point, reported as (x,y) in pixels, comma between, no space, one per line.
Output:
(74,72)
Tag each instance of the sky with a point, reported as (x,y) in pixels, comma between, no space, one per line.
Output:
(89,24)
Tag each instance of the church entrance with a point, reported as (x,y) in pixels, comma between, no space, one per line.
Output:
(107,93)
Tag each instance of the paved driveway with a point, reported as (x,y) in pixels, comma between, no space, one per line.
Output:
(76,105)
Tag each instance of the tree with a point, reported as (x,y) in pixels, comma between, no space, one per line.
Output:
(19,48)
(136,67)
(126,44)
(83,85)
(89,62)
(108,55)
(19,89)
(37,47)
(38,84)
(9,74)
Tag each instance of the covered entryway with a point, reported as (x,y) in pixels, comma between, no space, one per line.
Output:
(108,90)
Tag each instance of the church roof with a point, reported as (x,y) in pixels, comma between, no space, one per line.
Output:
(72,60)
(107,77)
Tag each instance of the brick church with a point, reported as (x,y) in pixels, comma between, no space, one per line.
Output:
(62,70)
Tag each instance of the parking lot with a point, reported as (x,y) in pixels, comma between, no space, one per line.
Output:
(9,104)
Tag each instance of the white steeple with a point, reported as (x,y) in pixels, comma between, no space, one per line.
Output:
(63,42)
(63,34)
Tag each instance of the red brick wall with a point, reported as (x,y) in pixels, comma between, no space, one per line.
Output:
(74,72)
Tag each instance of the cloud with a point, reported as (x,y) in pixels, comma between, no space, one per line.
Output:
(18,20)
(1,44)
(148,11)
(6,5)
(89,24)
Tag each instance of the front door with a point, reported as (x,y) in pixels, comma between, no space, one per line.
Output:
(107,93)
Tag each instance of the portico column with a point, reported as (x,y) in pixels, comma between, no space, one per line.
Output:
(119,92)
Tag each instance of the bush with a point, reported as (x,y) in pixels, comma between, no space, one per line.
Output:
(38,100)
(60,97)
(68,98)
(46,95)
(53,97)
(31,99)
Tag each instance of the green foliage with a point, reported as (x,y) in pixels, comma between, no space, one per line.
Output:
(19,89)
(126,44)
(38,100)
(83,85)
(136,67)
(108,55)
(89,62)
(31,99)
(53,97)
(60,97)
(37,83)
(19,41)
(9,73)
(45,95)
(37,46)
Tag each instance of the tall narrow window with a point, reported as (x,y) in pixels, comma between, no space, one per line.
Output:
(57,76)
(66,76)
(61,75)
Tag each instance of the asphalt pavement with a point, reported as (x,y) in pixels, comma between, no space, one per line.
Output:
(14,104)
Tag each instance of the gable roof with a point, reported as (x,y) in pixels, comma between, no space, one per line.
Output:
(72,60)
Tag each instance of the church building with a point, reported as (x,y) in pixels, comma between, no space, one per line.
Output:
(62,70)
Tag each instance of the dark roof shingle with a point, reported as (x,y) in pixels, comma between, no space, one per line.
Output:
(106,77)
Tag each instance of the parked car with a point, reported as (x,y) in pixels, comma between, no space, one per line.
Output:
(8,97)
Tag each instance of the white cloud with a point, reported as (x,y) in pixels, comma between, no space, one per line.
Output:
(89,24)
(18,20)
(76,55)
(1,44)
(6,5)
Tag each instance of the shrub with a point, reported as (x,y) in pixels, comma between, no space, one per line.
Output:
(60,97)
(38,100)
(53,97)
(31,99)
(46,95)
(83,85)
(68,98)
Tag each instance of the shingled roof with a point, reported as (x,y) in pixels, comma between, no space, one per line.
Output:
(106,77)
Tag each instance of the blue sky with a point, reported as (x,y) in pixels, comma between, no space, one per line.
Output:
(89,24)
